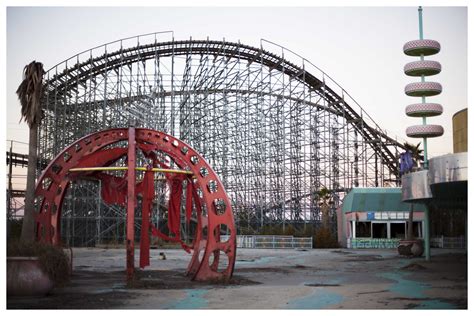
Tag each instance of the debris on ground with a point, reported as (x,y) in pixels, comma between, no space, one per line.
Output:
(320,284)
(413,267)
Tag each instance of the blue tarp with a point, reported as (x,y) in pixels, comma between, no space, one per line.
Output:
(406,162)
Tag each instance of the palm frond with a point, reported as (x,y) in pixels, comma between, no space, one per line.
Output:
(415,150)
(30,91)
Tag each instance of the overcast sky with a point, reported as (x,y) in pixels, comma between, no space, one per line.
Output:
(360,48)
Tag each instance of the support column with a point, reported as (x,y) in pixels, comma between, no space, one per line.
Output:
(427,236)
(131,202)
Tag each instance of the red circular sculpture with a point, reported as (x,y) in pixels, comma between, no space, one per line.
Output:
(204,191)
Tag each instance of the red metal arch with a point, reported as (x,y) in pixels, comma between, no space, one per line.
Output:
(211,202)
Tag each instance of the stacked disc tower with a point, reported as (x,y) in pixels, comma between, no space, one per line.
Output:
(423,68)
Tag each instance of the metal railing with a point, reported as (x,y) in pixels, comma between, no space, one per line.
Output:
(436,242)
(272,241)
(448,242)
(362,243)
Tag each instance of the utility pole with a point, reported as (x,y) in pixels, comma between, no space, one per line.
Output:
(10,171)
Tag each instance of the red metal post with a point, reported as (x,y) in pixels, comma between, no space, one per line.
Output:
(131,202)
(147,200)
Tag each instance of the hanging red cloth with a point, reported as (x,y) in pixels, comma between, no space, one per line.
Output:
(189,200)
(113,189)
(174,205)
(155,232)
(174,210)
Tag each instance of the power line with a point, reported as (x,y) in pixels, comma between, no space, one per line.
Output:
(16,141)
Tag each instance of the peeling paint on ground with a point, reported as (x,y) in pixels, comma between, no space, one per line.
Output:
(413,289)
(407,288)
(268,279)
(318,299)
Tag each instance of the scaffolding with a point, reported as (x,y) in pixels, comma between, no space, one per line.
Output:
(274,127)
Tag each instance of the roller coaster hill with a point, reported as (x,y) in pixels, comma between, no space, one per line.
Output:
(275,128)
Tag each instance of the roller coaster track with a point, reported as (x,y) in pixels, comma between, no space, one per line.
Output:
(79,73)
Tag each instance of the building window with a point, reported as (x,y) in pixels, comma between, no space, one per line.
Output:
(362,229)
(397,230)
(379,230)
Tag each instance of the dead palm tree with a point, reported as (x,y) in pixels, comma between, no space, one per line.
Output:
(29,92)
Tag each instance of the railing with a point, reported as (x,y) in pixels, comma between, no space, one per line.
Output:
(272,241)
(436,242)
(448,242)
(385,243)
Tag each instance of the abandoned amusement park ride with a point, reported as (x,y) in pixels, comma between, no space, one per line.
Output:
(91,155)
(138,123)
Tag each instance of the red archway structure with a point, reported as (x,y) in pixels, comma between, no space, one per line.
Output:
(91,155)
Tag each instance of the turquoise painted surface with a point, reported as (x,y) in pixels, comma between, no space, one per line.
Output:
(194,300)
(403,287)
(414,289)
(374,243)
(377,200)
(319,299)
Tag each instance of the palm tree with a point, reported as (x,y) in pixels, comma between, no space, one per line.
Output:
(324,197)
(415,151)
(29,92)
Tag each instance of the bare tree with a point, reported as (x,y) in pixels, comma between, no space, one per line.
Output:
(29,92)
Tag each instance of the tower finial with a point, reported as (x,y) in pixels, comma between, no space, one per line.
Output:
(420,21)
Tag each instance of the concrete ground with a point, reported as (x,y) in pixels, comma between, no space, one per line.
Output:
(266,279)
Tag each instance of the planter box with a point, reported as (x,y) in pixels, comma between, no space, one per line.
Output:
(26,278)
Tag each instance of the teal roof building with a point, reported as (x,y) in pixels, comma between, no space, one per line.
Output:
(377,218)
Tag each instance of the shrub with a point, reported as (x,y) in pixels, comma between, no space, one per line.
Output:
(323,238)
(289,230)
(15,228)
(53,260)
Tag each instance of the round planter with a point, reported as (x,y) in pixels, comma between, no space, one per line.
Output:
(412,248)
(26,278)
(417,248)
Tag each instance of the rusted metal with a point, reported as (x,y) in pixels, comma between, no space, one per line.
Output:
(131,202)
(212,258)
(148,195)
